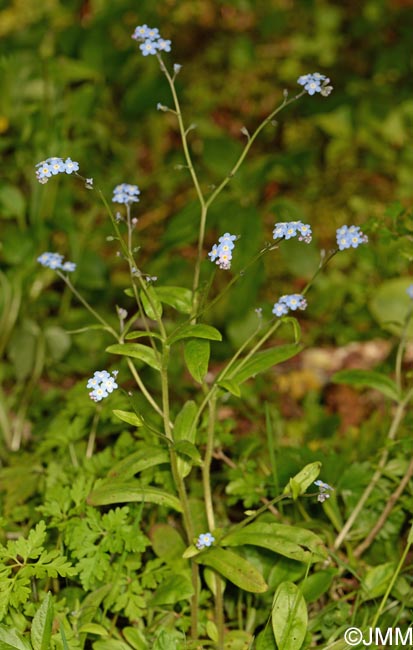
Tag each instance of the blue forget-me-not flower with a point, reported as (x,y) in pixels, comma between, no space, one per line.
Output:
(125,193)
(221,253)
(150,40)
(315,83)
(53,166)
(324,489)
(289,302)
(204,540)
(102,384)
(290,229)
(55,261)
(350,237)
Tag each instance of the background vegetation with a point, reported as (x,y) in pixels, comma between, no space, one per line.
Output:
(73,83)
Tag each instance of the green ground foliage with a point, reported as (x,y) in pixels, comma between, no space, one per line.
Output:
(94,552)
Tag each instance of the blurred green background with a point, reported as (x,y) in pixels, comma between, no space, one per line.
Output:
(73,83)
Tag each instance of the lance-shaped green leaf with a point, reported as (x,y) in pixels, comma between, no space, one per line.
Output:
(196,353)
(298,484)
(291,541)
(199,331)
(12,640)
(41,631)
(140,334)
(151,303)
(289,617)
(179,298)
(184,429)
(128,416)
(136,351)
(231,386)
(113,491)
(262,361)
(369,379)
(233,567)
(144,458)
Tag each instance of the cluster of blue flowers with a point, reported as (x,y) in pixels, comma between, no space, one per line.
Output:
(204,540)
(102,383)
(55,261)
(125,193)
(52,166)
(152,42)
(315,83)
(289,229)
(291,302)
(324,489)
(350,237)
(221,253)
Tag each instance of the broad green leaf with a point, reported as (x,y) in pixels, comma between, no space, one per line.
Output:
(135,638)
(238,640)
(314,586)
(140,460)
(172,590)
(196,331)
(231,386)
(376,580)
(290,541)
(110,644)
(151,303)
(298,484)
(12,640)
(265,640)
(167,543)
(196,353)
(390,305)
(184,429)
(186,448)
(289,617)
(179,298)
(128,416)
(41,631)
(136,351)
(234,567)
(140,334)
(262,361)
(120,492)
(369,379)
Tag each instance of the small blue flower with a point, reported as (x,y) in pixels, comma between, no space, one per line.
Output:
(51,260)
(315,83)
(409,291)
(69,267)
(292,301)
(350,237)
(141,32)
(57,166)
(152,33)
(103,383)
(290,229)
(279,230)
(204,540)
(324,488)
(148,47)
(163,45)
(126,193)
(71,166)
(221,253)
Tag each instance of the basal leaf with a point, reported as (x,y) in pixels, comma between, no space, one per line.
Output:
(120,492)
(233,567)
(196,331)
(289,617)
(136,351)
(290,541)
(138,461)
(369,379)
